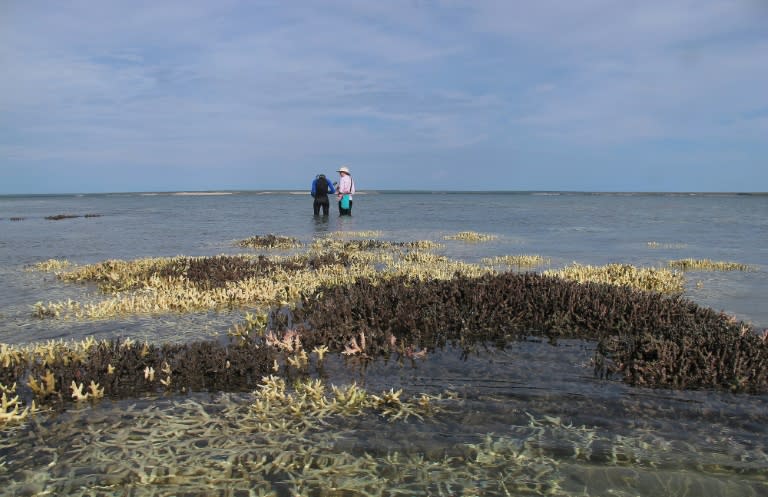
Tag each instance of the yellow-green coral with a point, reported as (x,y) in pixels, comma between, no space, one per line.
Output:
(269,241)
(357,234)
(310,402)
(648,279)
(11,408)
(655,245)
(470,236)
(147,286)
(50,265)
(44,353)
(707,265)
(522,260)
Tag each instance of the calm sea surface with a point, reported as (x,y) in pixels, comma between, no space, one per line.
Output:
(534,405)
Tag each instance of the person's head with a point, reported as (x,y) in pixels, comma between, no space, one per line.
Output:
(343,170)
(321,175)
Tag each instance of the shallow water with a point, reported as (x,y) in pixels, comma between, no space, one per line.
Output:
(531,419)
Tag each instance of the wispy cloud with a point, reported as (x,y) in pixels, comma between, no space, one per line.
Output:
(418,88)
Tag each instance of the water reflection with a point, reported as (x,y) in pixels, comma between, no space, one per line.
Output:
(320,224)
(345,223)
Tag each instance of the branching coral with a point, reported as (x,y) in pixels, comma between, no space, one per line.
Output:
(269,241)
(707,265)
(650,279)
(470,236)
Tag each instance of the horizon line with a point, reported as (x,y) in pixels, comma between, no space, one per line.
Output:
(386,190)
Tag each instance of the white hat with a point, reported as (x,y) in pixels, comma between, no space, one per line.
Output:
(343,169)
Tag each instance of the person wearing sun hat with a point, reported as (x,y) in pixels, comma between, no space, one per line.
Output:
(345,190)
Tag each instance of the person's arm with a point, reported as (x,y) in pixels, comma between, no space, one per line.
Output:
(330,187)
(351,185)
(314,187)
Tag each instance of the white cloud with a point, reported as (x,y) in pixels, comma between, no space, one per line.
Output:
(199,82)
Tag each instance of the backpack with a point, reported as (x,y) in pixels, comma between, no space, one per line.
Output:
(321,187)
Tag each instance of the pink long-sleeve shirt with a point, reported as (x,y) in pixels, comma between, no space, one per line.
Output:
(346,185)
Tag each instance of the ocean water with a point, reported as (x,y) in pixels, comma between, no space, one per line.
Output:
(536,407)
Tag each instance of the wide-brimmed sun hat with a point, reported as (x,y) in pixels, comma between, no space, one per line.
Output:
(343,169)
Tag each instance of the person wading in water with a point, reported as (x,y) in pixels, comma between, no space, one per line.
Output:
(321,187)
(345,191)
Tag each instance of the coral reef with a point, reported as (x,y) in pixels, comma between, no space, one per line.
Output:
(656,245)
(707,265)
(50,265)
(55,372)
(521,260)
(646,337)
(269,241)
(651,279)
(59,217)
(371,298)
(470,236)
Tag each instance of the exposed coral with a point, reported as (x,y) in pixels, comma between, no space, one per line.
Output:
(371,298)
(522,260)
(651,279)
(649,338)
(707,265)
(59,217)
(470,236)
(269,241)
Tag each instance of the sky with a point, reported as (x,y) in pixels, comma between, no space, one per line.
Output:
(588,95)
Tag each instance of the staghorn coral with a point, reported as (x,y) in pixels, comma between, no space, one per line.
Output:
(651,279)
(707,265)
(522,260)
(655,245)
(372,298)
(269,241)
(639,333)
(357,234)
(50,265)
(56,371)
(470,236)
(183,284)
(11,408)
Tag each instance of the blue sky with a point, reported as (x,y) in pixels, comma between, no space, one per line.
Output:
(594,95)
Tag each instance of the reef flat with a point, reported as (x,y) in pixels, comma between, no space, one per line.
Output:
(253,412)
(370,299)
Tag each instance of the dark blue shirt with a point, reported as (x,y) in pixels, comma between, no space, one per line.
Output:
(314,186)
